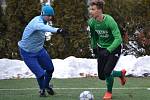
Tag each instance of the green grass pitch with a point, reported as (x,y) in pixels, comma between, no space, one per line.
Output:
(70,89)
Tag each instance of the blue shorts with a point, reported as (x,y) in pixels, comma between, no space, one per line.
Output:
(37,62)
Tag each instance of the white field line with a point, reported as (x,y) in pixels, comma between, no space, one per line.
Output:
(132,88)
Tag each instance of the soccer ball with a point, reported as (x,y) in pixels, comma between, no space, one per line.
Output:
(86,95)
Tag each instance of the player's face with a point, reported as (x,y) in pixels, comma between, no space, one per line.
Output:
(48,18)
(94,11)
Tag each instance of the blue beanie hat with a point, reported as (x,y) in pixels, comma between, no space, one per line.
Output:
(47,11)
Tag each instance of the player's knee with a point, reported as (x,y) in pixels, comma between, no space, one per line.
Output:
(40,77)
(107,74)
(50,72)
(101,76)
(40,74)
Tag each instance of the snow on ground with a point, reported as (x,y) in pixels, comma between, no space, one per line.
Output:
(73,67)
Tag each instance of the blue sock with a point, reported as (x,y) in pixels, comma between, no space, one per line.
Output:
(47,79)
(41,82)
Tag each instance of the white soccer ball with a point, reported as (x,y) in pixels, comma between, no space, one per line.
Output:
(86,95)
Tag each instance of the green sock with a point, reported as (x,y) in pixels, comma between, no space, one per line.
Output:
(116,73)
(109,83)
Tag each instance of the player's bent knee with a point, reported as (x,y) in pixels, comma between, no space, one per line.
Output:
(101,77)
(49,72)
(40,77)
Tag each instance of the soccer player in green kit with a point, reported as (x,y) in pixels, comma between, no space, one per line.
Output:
(106,44)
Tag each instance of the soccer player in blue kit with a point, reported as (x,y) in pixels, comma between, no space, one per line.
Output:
(32,51)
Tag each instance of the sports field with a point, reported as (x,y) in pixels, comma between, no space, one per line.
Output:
(70,89)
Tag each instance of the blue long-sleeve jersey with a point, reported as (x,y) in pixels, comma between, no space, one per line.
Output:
(34,35)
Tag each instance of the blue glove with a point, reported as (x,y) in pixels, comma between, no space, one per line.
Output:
(62,32)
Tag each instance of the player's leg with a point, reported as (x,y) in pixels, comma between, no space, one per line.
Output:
(31,61)
(45,60)
(109,77)
(109,66)
(101,65)
(102,60)
(120,74)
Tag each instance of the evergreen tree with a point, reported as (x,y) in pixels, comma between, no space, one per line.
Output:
(18,14)
(1,21)
(132,14)
(71,15)
(2,33)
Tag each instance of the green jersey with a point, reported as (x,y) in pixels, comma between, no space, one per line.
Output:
(105,33)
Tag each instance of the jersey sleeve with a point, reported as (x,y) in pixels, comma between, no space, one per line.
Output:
(116,34)
(45,27)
